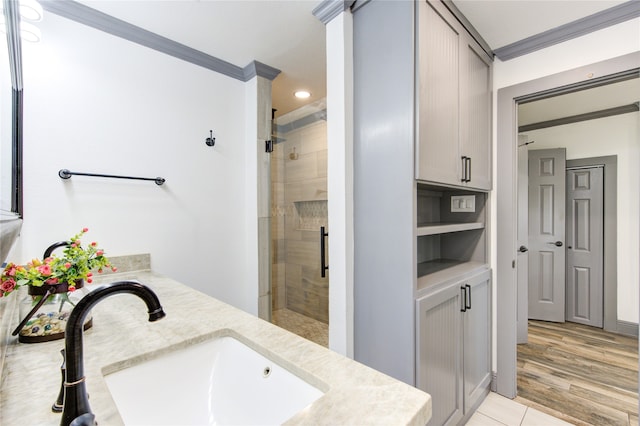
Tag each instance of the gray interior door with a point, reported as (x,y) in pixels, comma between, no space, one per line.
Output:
(547,234)
(585,216)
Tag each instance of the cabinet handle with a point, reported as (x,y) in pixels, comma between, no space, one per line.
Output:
(464,168)
(463,299)
(467,296)
(323,264)
(468,169)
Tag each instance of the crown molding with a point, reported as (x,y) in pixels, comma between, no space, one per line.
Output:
(259,69)
(101,21)
(597,21)
(329,9)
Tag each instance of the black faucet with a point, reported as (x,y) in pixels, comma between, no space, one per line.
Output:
(76,410)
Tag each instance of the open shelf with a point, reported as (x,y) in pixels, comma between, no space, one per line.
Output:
(445,227)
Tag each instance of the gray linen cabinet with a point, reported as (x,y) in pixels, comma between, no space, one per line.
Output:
(412,252)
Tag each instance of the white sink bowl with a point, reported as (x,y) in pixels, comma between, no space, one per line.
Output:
(217,382)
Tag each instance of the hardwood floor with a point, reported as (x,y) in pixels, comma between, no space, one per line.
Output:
(580,374)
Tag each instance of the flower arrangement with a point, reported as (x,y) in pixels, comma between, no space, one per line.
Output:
(76,264)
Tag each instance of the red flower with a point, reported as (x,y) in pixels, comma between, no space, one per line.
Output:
(94,244)
(8,285)
(89,274)
(89,280)
(71,288)
(52,281)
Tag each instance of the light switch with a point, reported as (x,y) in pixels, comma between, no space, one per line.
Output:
(463,203)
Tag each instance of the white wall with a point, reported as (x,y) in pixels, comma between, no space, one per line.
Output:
(618,135)
(100,104)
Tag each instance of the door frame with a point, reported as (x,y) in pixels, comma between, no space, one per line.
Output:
(506,193)
(610,234)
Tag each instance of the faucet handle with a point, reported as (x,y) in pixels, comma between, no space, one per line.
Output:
(86,419)
(58,406)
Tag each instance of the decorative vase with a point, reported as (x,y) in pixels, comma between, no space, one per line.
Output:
(45,310)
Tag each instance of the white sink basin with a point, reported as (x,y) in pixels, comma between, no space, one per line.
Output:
(218,382)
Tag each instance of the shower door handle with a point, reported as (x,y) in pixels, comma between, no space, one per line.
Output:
(323,263)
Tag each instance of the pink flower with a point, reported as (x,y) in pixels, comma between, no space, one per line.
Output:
(85,229)
(114,269)
(99,253)
(67,265)
(8,285)
(89,274)
(71,288)
(44,270)
(52,281)
(93,244)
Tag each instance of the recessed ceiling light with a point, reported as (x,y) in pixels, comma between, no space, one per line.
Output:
(302,94)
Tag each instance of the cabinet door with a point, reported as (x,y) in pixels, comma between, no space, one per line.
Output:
(475,114)
(438,108)
(439,350)
(477,340)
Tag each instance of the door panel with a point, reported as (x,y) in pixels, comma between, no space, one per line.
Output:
(477,341)
(585,246)
(439,353)
(476,114)
(547,234)
(437,156)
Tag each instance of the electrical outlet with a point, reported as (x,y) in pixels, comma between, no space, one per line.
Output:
(463,203)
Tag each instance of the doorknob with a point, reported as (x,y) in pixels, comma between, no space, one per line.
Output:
(557,243)
(523,249)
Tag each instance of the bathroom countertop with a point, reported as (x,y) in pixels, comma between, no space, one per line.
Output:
(355,394)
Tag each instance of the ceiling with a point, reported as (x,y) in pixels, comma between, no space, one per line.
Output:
(284,34)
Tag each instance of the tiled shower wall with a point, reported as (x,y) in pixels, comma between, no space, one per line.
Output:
(299,209)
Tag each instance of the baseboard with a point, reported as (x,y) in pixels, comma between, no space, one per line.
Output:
(627,328)
(494,382)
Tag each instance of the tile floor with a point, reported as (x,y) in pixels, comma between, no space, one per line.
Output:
(309,328)
(497,410)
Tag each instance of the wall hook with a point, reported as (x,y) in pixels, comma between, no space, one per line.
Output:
(210,141)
